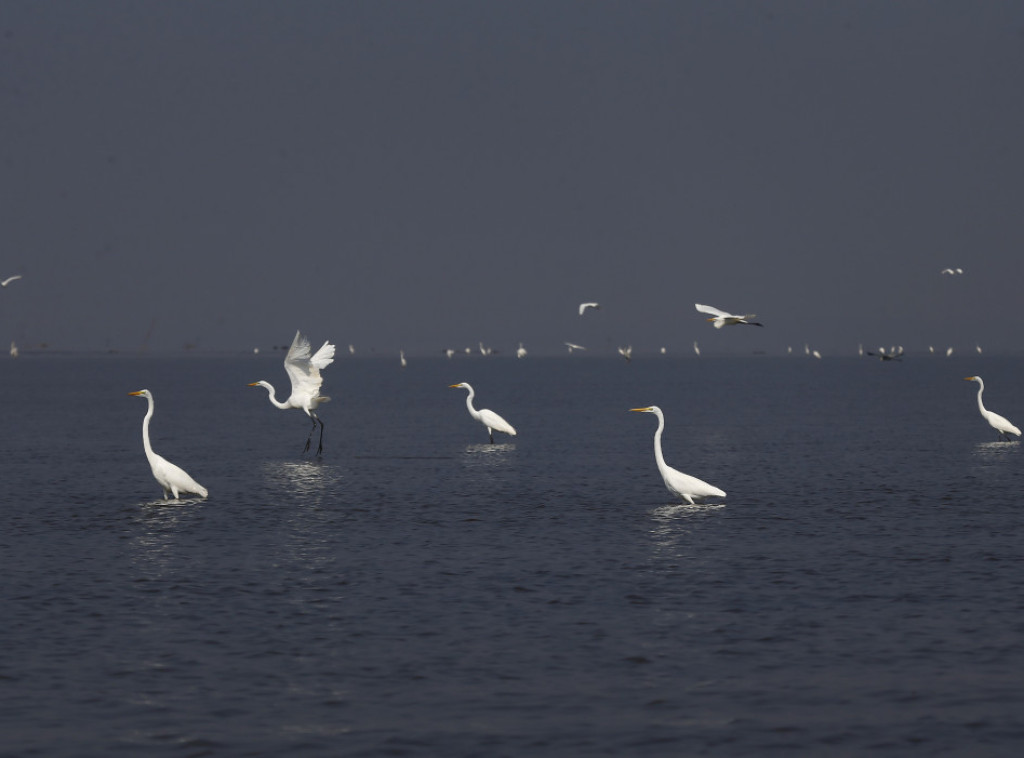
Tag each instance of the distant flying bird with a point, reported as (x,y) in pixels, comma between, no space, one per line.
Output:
(626,352)
(721,318)
(696,349)
(949,351)
(488,418)
(520,351)
(449,352)
(401,358)
(304,373)
(172,479)
(572,347)
(997,422)
(351,349)
(584,306)
(9,279)
(952,271)
(14,350)
(816,354)
(678,483)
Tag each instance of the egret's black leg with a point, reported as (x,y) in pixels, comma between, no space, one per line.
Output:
(320,447)
(491,435)
(310,437)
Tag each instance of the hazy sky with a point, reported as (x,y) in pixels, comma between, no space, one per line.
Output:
(422,174)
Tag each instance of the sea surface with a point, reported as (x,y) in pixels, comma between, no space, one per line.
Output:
(420,592)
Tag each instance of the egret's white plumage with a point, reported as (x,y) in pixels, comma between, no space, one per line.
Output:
(573,346)
(997,422)
(520,351)
(10,279)
(684,485)
(721,318)
(304,372)
(485,416)
(626,352)
(952,271)
(584,306)
(172,479)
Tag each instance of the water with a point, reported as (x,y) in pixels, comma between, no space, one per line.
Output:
(419,592)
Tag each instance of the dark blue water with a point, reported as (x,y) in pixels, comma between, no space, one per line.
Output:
(420,592)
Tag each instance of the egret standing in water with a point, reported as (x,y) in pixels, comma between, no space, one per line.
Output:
(678,483)
(172,479)
(304,372)
(488,418)
(997,422)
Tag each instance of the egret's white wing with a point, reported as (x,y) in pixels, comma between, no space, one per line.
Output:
(712,311)
(492,420)
(584,306)
(303,370)
(9,279)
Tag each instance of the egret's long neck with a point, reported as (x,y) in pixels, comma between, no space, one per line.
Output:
(657,443)
(271,392)
(981,388)
(145,429)
(469,403)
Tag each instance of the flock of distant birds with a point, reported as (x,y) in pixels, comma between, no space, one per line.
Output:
(303,367)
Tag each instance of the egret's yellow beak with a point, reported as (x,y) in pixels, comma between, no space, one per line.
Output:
(968,378)
(642,410)
(135,393)
(253,384)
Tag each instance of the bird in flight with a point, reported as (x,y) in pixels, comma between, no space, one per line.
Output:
(573,346)
(584,306)
(721,318)
(9,279)
(952,271)
(304,373)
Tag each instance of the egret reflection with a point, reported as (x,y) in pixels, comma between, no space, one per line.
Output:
(309,478)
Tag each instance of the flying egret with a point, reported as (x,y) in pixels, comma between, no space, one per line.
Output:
(304,372)
(721,318)
(172,479)
(401,358)
(627,353)
(678,483)
(9,279)
(997,422)
(696,348)
(520,351)
(572,346)
(487,417)
(584,306)
(952,271)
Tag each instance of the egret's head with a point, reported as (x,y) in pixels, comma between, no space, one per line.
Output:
(971,378)
(260,383)
(648,409)
(141,393)
(456,386)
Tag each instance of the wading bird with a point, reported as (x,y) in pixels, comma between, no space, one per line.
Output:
(997,422)
(721,318)
(304,372)
(487,417)
(678,483)
(172,479)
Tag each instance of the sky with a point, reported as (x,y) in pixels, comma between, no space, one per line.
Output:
(406,175)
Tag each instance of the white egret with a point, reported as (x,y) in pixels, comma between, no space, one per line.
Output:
(487,417)
(696,348)
(584,306)
(10,279)
(893,354)
(949,351)
(304,372)
(520,351)
(721,318)
(627,353)
(952,271)
(678,483)
(997,422)
(401,358)
(172,479)
(572,346)
(485,350)
(14,350)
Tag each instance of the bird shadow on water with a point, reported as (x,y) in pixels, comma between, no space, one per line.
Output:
(302,477)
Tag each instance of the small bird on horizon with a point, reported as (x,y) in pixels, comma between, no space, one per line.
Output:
(9,279)
(584,306)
